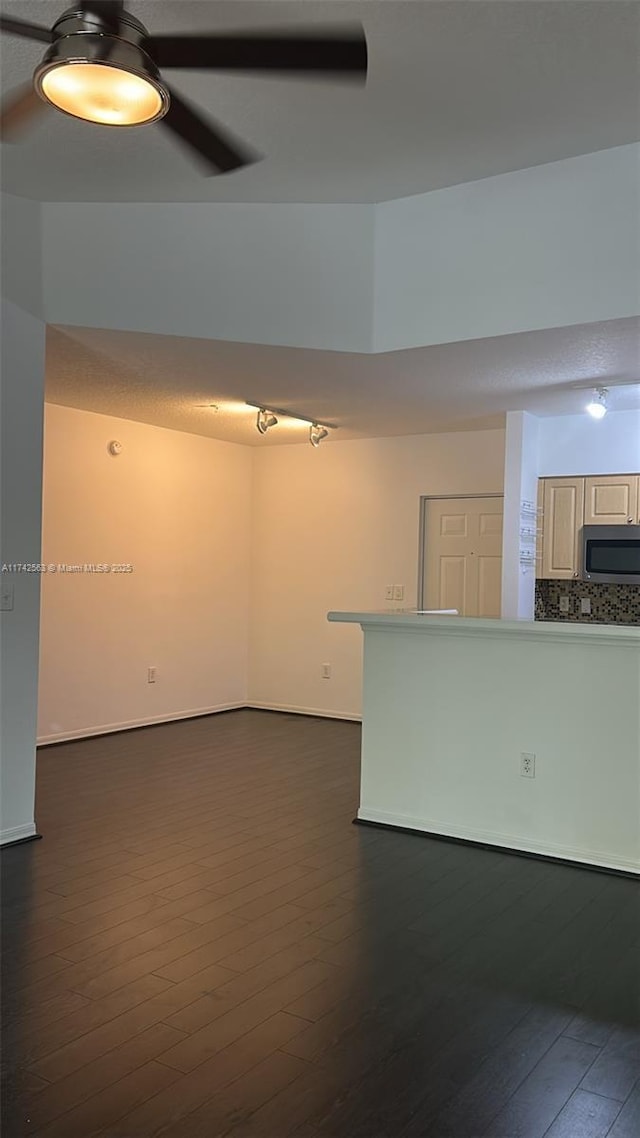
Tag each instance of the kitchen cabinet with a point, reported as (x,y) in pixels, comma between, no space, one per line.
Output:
(566,504)
(539,527)
(611,500)
(562,520)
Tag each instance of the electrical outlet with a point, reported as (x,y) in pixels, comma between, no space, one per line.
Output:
(6,596)
(388,593)
(585,606)
(151,675)
(326,671)
(564,604)
(398,592)
(527,765)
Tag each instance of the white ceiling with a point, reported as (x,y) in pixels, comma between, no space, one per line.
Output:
(458,90)
(461,386)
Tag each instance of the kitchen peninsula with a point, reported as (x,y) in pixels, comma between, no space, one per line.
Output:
(512,733)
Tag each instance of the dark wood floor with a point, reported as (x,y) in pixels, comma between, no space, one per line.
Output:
(203,944)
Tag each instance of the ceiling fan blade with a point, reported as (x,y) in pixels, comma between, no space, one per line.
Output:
(19,109)
(25,29)
(342,53)
(212,145)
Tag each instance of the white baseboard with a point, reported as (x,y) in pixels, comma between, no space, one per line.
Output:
(172,717)
(111,728)
(605,859)
(318,712)
(17,833)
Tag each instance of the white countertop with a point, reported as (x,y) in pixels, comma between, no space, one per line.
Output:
(410,620)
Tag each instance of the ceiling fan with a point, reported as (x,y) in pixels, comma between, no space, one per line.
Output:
(103,66)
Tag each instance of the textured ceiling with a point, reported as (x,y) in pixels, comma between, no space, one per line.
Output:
(163,379)
(458,90)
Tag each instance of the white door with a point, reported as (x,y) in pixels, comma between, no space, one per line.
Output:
(462,555)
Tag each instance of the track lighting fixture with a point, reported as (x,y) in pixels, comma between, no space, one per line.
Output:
(597,407)
(269,416)
(265,419)
(317,433)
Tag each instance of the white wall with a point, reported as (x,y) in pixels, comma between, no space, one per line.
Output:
(21,264)
(271,274)
(578,444)
(177,507)
(545,247)
(22,376)
(539,248)
(331,528)
(570,697)
(520,488)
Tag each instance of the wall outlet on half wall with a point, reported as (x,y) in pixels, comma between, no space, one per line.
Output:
(527,765)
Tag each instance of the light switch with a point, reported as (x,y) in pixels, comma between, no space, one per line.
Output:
(398,592)
(585,606)
(564,604)
(6,596)
(388,593)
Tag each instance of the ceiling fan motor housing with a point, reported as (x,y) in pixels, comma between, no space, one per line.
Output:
(85,37)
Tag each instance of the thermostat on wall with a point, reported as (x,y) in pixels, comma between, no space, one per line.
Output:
(114,447)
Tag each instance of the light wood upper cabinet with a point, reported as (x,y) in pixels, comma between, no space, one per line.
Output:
(566,504)
(563,512)
(611,499)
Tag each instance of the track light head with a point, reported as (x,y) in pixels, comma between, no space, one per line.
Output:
(597,407)
(264,420)
(316,434)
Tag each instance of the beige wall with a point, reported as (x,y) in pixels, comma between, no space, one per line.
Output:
(331,528)
(238,555)
(177,507)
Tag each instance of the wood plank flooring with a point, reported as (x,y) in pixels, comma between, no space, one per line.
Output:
(204,945)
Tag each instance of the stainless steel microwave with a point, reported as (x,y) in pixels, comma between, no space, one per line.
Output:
(611,554)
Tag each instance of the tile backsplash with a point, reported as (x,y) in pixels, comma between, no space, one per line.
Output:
(610,604)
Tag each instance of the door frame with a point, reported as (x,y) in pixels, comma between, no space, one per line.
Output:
(424,503)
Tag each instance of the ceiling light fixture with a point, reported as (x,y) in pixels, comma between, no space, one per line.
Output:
(269,416)
(100,77)
(103,66)
(265,419)
(597,407)
(317,433)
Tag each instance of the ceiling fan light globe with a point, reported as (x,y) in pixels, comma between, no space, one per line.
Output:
(99,93)
(102,80)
